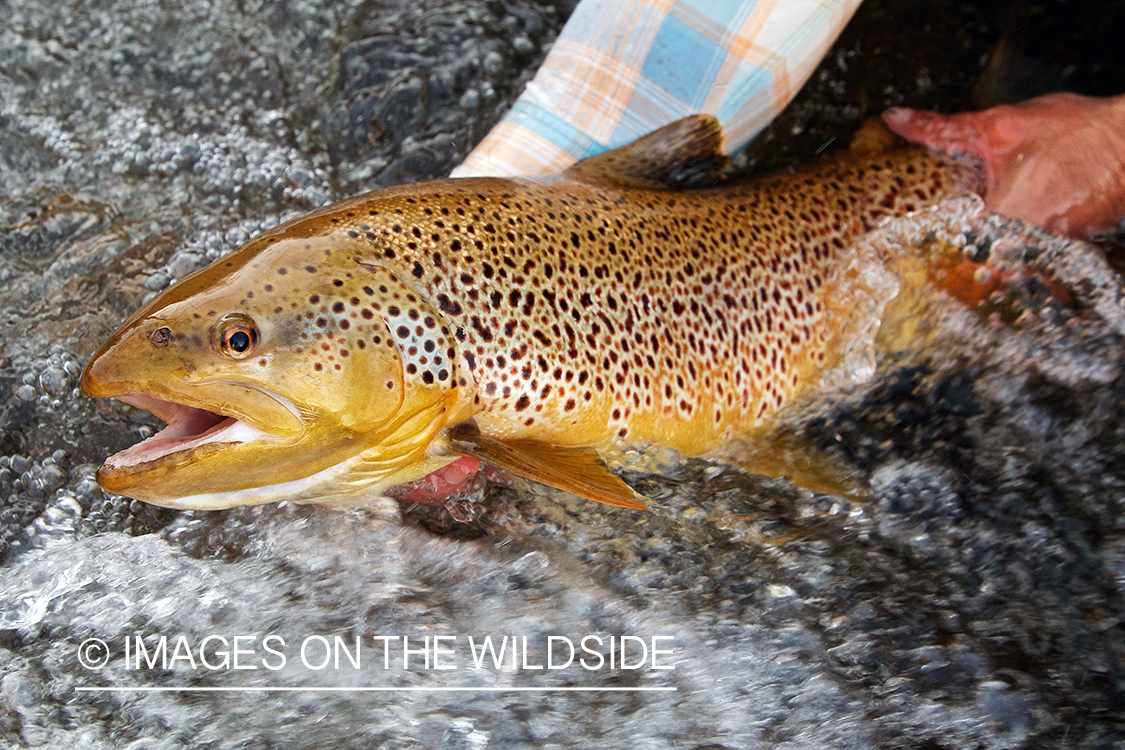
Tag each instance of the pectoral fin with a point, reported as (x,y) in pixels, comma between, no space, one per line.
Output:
(579,471)
(687,152)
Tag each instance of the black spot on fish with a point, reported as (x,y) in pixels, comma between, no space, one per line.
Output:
(447,305)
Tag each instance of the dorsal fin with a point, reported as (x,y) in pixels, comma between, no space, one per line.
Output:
(685,153)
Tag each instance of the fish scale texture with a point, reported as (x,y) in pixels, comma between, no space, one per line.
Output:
(976,601)
(595,316)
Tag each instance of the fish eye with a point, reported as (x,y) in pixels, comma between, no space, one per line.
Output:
(237,336)
(238,340)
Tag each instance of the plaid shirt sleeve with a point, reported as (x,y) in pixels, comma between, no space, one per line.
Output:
(623,68)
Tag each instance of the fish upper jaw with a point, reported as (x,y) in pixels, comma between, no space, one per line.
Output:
(203,418)
(268,412)
(187,428)
(124,375)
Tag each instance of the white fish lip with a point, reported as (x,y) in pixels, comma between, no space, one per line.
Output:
(187,427)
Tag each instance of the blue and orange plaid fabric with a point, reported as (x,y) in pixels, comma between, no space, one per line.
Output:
(623,68)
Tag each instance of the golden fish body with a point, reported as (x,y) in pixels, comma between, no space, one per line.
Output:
(528,323)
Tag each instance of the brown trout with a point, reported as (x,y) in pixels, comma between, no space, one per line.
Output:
(540,326)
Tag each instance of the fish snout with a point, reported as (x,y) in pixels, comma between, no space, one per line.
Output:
(128,358)
(99,377)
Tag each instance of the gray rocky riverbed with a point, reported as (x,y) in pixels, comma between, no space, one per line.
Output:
(978,600)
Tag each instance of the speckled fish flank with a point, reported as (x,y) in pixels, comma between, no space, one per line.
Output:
(523,322)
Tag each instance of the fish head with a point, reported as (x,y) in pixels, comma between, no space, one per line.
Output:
(286,370)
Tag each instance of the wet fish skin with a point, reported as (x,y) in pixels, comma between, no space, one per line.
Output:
(535,325)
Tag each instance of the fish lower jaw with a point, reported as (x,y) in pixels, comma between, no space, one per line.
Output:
(330,486)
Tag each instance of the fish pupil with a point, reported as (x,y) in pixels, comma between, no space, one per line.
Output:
(239,341)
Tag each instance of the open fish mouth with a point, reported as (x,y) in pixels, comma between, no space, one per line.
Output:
(188,427)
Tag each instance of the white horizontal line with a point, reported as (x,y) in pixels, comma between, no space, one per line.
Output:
(274,689)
